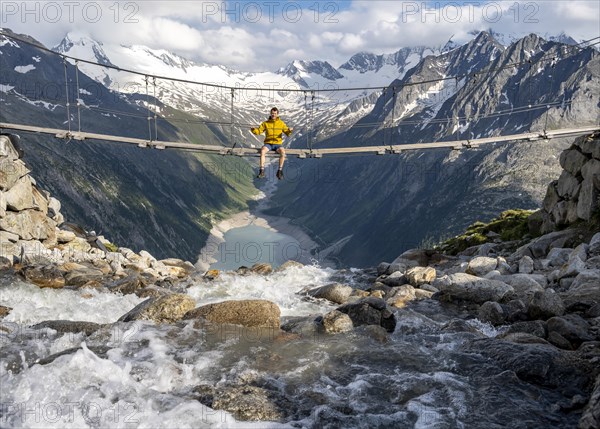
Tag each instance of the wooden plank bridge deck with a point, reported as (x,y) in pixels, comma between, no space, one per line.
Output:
(304,153)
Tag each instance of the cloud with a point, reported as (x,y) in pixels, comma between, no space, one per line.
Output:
(263,35)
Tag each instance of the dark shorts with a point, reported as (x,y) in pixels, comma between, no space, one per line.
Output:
(273,147)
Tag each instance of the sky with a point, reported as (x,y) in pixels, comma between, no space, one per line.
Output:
(264,35)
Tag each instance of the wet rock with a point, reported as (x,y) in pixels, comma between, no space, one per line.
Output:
(288,265)
(259,313)
(591,414)
(546,304)
(539,364)
(334,292)
(532,327)
(370,311)
(492,312)
(128,285)
(375,332)
(303,325)
(559,341)
(48,276)
(526,265)
(335,321)
(572,327)
(246,403)
(516,310)
(4,311)
(83,275)
(399,296)
(212,274)
(99,351)
(382,268)
(524,338)
(263,269)
(178,267)
(418,276)
(164,309)
(68,326)
(481,265)
(152,291)
(466,287)
(397,278)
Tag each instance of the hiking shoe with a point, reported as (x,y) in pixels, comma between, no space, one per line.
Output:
(279,174)
(261,173)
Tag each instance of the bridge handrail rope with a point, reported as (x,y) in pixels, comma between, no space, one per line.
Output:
(213,85)
(231,138)
(148,118)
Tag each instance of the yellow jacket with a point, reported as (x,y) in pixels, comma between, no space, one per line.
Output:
(273,129)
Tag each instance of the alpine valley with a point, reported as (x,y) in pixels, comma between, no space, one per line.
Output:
(362,210)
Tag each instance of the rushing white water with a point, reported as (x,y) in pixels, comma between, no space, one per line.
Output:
(142,375)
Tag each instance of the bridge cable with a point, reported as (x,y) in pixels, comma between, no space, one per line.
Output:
(77,96)
(553,71)
(148,118)
(393,119)
(312,120)
(155,109)
(231,139)
(67,97)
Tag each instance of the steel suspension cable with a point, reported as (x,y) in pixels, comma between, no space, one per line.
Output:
(67,95)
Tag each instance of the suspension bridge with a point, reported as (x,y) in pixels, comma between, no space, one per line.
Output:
(309,152)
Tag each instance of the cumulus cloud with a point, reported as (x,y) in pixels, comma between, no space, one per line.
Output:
(266,34)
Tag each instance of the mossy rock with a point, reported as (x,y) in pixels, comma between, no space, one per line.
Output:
(510,225)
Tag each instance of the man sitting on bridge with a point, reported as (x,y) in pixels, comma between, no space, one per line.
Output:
(273,128)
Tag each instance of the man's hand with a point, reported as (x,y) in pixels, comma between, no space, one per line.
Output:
(291,129)
(253,130)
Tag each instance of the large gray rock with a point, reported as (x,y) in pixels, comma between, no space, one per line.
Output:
(334,292)
(28,224)
(250,313)
(492,312)
(558,256)
(68,326)
(568,186)
(164,309)
(588,198)
(246,403)
(584,292)
(572,161)
(82,275)
(590,169)
(539,247)
(418,276)
(546,304)
(594,249)
(526,265)
(397,278)
(48,276)
(11,172)
(572,327)
(591,414)
(8,152)
(532,327)
(335,321)
(20,196)
(590,146)
(552,198)
(524,285)
(370,311)
(481,265)
(471,288)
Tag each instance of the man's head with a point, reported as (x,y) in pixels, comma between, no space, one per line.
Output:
(274,112)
